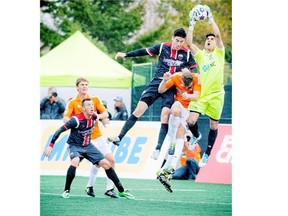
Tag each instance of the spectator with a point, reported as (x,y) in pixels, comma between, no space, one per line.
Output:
(105,105)
(120,108)
(189,168)
(52,106)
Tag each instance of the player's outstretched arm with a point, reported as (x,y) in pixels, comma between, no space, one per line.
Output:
(189,39)
(216,30)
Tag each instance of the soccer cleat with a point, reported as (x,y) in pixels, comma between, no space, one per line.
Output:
(111,193)
(203,160)
(165,182)
(162,172)
(155,154)
(89,191)
(66,194)
(159,172)
(169,171)
(115,140)
(126,194)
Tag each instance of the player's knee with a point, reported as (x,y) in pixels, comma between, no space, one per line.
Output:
(176,111)
(191,121)
(110,158)
(105,164)
(75,161)
(165,115)
(213,125)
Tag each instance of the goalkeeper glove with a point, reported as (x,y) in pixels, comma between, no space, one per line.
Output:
(210,16)
(192,21)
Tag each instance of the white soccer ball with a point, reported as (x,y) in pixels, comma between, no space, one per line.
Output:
(199,13)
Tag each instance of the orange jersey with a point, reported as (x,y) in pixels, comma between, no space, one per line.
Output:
(74,107)
(176,80)
(195,154)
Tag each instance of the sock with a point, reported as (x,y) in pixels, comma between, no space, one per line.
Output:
(92,177)
(162,134)
(163,163)
(211,140)
(165,159)
(69,177)
(128,125)
(113,176)
(173,125)
(110,184)
(178,152)
(194,129)
(168,161)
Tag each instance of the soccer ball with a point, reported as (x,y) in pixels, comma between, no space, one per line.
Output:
(199,13)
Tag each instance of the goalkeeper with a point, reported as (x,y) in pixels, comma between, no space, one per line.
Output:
(211,62)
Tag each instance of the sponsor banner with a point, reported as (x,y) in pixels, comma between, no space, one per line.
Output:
(133,156)
(219,166)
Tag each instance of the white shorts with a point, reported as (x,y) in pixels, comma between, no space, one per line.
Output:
(102,144)
(184,113)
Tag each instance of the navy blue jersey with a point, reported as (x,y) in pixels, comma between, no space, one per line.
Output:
(81,129)
(169,60)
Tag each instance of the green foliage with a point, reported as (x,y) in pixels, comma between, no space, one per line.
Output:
(222,13)
(110,24)
(107,22)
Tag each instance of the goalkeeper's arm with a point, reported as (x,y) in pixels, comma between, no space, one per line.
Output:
(189,39)
(215,28)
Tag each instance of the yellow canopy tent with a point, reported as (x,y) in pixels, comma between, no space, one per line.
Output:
(78,57)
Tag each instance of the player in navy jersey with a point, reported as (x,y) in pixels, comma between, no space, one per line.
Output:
(172,57)
(80,147)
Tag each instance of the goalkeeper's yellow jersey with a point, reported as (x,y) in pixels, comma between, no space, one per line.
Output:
(211,69)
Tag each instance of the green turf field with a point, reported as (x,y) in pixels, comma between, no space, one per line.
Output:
(189,198)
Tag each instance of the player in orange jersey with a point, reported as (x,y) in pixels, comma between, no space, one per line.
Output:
(73,108)
(188,88)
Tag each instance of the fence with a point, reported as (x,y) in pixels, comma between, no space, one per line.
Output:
(147,70)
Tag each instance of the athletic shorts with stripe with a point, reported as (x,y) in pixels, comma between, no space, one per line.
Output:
(89,152)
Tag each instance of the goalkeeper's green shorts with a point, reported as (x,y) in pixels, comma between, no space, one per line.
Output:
(210,105)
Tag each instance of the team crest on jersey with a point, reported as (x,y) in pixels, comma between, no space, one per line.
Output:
(180,57)
(211,57)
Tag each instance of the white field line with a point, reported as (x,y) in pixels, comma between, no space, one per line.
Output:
(150,200)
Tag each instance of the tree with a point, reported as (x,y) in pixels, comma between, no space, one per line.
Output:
(107,23)
(110,24)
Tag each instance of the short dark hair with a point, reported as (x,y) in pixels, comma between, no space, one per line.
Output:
(210,34)
(180,32)
(85,99)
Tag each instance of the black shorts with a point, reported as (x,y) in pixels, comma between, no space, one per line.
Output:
(151,94)
(90,152)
